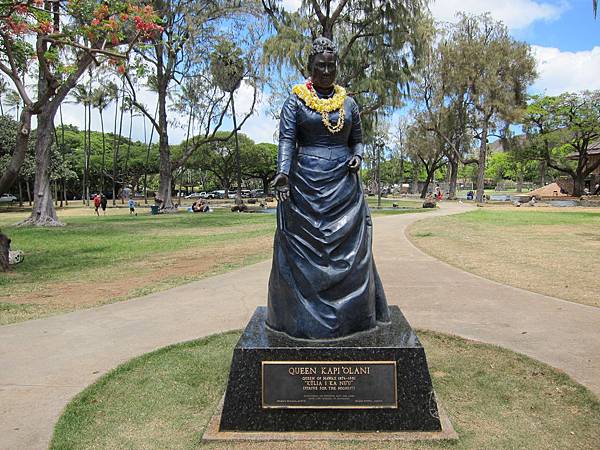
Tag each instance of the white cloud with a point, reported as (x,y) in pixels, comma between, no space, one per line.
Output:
(515,14)
(261,126)
(566,71)
(291,5)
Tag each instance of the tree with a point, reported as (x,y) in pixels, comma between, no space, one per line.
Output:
(100,101)
(64,40)
(191,29)
(14,102)
(562,128)
(3,91)
(218,157)
(380,44)
(260,161)
(227,70)
(83,96)
(429,149)
(496,70)
(441,100)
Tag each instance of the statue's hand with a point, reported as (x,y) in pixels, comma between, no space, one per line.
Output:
(354,164)
(282,187)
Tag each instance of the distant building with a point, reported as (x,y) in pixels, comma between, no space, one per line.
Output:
(593,152)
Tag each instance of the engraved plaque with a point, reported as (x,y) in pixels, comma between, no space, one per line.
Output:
(329,384)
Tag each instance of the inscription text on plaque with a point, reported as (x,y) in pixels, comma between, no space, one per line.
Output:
(329,384)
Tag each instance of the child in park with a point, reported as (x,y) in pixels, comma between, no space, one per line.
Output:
(131,204)
(97,201)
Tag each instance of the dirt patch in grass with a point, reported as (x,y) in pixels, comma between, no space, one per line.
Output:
(157,272)
(542,250)
(495,398)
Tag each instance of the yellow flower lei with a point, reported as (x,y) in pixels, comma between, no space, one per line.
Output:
(324,105)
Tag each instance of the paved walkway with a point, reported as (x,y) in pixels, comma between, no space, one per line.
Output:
(44,363)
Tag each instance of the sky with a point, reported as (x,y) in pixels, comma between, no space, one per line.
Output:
(564,36)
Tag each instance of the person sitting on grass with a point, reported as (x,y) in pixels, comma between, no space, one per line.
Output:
(200,206)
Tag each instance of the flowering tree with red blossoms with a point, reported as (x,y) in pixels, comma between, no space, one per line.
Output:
(54,42)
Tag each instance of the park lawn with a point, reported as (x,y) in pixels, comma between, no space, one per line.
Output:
(95,260)
(547,250)
(98,260)
(496,399)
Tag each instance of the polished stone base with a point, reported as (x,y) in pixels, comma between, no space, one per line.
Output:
(413,408)
(213,434)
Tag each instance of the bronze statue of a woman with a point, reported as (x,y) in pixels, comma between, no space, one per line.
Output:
(324,283)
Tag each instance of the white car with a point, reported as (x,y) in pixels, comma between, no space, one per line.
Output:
(7,198)
(196,195)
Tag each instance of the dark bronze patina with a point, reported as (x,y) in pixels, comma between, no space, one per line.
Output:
(324,283)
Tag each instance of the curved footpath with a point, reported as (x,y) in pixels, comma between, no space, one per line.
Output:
(44,363)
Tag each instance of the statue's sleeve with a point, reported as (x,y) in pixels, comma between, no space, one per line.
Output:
(355,142)
(287,135)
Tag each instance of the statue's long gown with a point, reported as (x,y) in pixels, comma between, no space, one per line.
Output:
(323,283)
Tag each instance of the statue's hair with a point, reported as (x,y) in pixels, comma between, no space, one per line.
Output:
(321,45)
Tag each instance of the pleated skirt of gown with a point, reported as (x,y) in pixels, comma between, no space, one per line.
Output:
(324,283)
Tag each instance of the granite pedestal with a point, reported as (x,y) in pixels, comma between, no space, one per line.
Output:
(374,381)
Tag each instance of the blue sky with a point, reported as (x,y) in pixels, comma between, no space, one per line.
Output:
(564,36)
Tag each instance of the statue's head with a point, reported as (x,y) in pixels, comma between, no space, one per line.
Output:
(322,63)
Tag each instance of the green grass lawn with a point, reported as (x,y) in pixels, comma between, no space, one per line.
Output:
(546,250)
(496,399)
(97,251)
(94,260)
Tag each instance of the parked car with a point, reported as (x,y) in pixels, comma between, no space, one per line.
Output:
(218,194)
(257,193)
(196,195)
(7,198)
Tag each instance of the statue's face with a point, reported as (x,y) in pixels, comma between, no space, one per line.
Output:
(324,70)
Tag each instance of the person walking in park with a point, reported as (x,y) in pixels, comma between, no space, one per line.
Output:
(131,204)
(97,202)
(103,203)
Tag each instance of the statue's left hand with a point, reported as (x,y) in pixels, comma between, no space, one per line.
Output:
(354,164)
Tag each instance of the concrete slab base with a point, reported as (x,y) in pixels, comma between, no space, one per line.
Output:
(212,433)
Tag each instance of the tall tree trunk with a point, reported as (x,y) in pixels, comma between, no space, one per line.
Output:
(85,156)
(43,213)
(481,162)
(116,157)
(238,167)
(89,160)
(578,184)
(415,181)
(103,169)
(20,193)
(453,178)
(520,181)
(21,143)
(428,181)
(265,183)
(543,172)
(148,155)
(128,142)
(165,169)
(28,192)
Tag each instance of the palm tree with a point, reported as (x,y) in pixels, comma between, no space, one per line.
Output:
(83,96)
(100,101)
(3,90)
(14,101)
